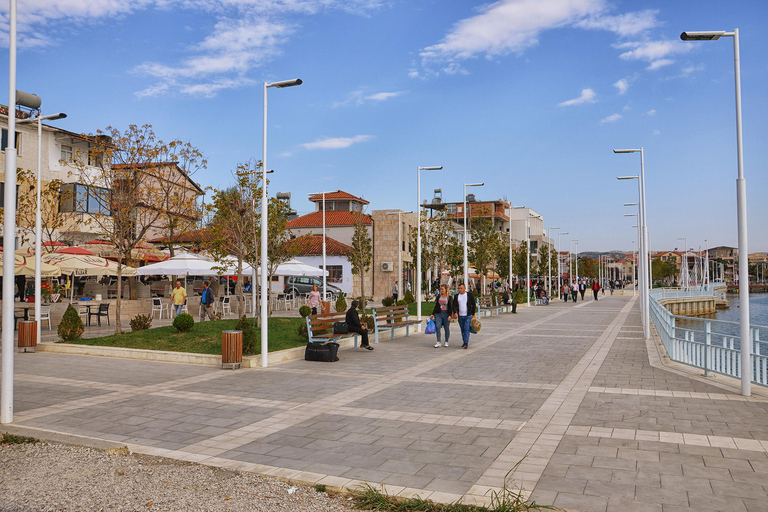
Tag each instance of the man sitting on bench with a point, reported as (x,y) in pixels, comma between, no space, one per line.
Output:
(353,324)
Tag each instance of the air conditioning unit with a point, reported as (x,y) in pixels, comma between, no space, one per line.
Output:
(386,266)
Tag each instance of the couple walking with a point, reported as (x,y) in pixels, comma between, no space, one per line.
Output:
(461,307)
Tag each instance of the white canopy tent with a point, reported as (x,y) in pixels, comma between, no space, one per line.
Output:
(181,265)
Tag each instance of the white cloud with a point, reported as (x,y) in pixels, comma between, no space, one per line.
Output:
(657,132)
(247,33)
(628,24)
(692,69)
(337,142)
(587,96)
(656,53)
(622,85)
(383,96)
(651,112)
(611,118)
(507,26)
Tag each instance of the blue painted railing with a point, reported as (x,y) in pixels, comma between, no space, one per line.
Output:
(712,345)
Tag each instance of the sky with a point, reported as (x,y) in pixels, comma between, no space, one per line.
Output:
(528,96)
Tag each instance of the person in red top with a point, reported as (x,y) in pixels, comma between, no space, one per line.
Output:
(595,287)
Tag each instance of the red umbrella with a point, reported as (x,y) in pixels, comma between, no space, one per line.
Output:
(54,244)
(75,250)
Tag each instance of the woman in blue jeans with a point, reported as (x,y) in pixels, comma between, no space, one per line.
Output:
(442,314)
(464,309)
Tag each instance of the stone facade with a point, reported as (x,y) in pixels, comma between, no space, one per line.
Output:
(386,238)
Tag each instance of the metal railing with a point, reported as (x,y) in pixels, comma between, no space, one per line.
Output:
(712,345)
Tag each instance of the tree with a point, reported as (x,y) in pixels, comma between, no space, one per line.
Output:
(52,220)
(362,254)
(484,246)
(234,221)
(278,249)
(520,260)
(455,258)
(435,241)
(588,267)
(126,176)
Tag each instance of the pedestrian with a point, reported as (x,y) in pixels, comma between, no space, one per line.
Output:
(178,298)
(582,288)
(595,288)
(464,308)
(313,301)
(442,314)
(354,325)
(565,291)
(612,286)
(574,292)
(206,301)
(395,291)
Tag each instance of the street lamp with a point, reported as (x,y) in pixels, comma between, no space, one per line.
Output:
(38,216)
(741,206)
(400,243)
(645,307)
(559,272)
(549,260)
(635,258)
(570,265)
(466,259)
(265,223)
(418,239)
(685,263)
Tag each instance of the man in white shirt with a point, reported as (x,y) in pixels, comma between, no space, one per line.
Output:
(464,309)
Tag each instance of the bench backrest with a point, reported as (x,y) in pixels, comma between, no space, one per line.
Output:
(323,322)
(391,314)
(484,302)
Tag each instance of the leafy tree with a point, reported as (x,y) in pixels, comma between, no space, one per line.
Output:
(278,249)
(455,258)
(52,220)
(361,255)
(127,175)
(588,267)
(520,260)
(484,246)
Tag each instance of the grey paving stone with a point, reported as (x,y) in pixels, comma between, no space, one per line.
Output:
(581,502)
(613,463)
(610,489)
(567,485)
(413,481)
(623,505)
(451,486)
(700,501)
(589,473)
(442,472)
(644,478)
(650,494)
(401,467)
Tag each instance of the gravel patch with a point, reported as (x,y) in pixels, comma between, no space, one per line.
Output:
(42,477)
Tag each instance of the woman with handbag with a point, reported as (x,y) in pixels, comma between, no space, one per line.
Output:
(464,308)
(442,314)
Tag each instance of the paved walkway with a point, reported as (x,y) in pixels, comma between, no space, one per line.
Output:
(572,391)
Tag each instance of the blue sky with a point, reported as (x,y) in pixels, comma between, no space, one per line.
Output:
(528,96)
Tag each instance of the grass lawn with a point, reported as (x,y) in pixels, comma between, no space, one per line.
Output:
(203,338)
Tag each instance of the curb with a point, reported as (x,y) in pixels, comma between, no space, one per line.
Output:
(49,436)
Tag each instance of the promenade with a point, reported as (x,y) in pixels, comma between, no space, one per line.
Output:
(572,391)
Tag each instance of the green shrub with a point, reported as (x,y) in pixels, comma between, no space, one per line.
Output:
(402,302)
(302,331)
(409,297)
(71,326)
(367,320)
(519,299)
(249,335)
(387,301)
(141,323)
(183,322)
(341,304)
(305,311)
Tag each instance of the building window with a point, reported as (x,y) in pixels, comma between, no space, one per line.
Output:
(2,194)
(356,207)
(4,143)
(66,153)
(335,273)
(79,198)
(451,209)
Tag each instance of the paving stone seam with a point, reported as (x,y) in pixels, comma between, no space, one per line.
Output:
(531,449)
(483,383)
(678,394)
(735,443)
(436,419)
(61,381)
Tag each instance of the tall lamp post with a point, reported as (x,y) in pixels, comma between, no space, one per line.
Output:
(265,224)
(325,296)
(466,259)
(549,260)
(38,216)
(559,272)
(643,249)
(418,239)
(741,206)
(685,263)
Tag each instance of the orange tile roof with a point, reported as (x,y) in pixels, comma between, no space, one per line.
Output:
(312,245)
(332,218)
(339,194)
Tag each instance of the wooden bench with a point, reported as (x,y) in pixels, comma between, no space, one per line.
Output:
(316,324)
(486,305)
(392,317)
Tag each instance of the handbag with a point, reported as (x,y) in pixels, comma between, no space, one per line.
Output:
(430,329)
(475,325)
(340,328)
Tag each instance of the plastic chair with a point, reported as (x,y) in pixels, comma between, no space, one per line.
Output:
(45,314)
(225,305)
(159,306)
(102,311)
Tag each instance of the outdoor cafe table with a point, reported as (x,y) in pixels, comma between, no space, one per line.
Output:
(88,305)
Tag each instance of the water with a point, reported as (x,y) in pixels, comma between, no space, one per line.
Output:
(758,309)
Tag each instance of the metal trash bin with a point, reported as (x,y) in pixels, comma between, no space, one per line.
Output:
(27,335)
(231,348)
